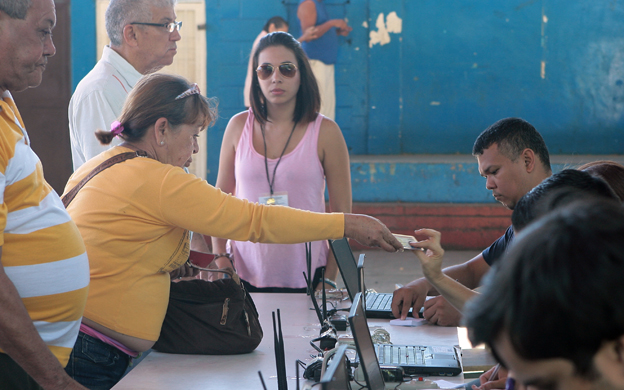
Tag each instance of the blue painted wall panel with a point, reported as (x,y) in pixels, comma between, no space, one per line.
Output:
(83,39)
(421,182)
(230,9)
(261,10)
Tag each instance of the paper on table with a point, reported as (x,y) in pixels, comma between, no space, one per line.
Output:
(448,385)
(407,322)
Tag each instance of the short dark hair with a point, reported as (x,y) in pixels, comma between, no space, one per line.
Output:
(527,208)
(308,97)
(16,9)
(277,21)
(154,97)
(513,135)
(558,291)
(610,171)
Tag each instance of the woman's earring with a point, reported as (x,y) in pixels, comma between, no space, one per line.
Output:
(162,142)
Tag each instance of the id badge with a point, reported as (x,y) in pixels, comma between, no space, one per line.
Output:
(278,198)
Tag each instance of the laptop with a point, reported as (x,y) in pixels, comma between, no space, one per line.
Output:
(337,376)
(378,305)
(414,359)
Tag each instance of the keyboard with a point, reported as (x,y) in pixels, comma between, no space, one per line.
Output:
(376,301)
(400,355)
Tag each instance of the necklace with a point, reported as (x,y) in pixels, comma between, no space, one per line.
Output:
(271,200)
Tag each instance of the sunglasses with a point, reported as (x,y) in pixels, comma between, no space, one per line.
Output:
(287,69)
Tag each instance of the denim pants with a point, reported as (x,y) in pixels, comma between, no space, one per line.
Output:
(95,364)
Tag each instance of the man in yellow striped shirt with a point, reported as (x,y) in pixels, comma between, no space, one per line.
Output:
(44,270)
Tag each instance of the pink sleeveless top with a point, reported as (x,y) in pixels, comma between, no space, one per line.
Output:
(299,173)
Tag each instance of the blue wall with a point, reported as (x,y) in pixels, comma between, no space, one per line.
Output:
(455,68)
(83,39)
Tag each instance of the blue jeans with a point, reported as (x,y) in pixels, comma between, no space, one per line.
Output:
(95,364)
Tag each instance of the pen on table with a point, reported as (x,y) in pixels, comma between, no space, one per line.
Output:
(494,373)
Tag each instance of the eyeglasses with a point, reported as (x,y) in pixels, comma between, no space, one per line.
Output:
(169,26)
(287,69)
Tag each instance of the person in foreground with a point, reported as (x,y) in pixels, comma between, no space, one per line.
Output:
(283,149)
(567,330)
(44,271)
(135,217)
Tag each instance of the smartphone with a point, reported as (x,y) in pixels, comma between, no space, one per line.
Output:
(405,240)
(201,260)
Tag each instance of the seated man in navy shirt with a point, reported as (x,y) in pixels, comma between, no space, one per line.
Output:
(513,158)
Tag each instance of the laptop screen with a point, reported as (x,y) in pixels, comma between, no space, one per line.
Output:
(346,264)
(364,345)
(361,285)
(337,377)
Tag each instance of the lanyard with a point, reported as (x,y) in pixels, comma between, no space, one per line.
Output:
(271,200)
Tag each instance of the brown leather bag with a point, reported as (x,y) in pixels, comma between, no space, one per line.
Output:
(210,318)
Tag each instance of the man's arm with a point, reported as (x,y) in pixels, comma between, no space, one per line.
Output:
(307,17)
(21,341)
(431,257)
(414,293)
(309,34)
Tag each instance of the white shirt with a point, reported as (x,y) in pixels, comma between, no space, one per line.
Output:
(97,102)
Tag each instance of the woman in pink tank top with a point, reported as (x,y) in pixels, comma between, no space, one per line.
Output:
(282,152)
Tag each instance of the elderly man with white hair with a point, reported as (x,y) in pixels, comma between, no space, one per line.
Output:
(143,36)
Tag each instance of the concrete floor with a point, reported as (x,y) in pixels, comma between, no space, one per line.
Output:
(383,270)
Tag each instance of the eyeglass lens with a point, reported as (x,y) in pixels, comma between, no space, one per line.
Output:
(266,70)
(174,26)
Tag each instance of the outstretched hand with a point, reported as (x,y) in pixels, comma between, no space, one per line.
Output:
(431,257)
(370,231)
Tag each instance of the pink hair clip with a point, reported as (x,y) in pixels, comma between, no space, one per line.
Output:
(116,128)
(193,90)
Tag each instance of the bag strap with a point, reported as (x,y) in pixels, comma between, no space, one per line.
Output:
(228,270)
(116,159)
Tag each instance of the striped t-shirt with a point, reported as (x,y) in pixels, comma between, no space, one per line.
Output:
(42,251)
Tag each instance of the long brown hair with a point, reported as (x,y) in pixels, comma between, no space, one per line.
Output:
(154,97)
(308,97)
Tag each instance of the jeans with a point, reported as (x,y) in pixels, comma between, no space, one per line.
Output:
(95,364)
